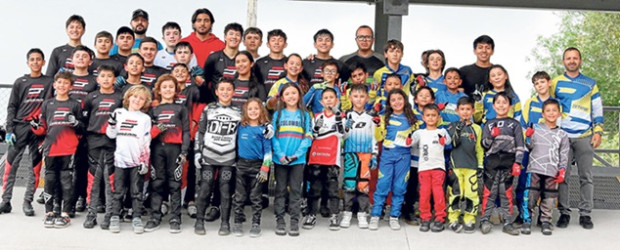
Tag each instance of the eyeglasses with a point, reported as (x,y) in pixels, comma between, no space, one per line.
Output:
(364,38)
(330,72)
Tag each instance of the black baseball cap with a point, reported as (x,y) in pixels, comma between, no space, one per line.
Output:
(140,13)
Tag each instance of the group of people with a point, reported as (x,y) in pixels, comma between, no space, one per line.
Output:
(199,124)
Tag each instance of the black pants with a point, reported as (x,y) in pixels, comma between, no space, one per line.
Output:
(498,184)
(80,177)
(58,182)
(127,178)
(246,182)
(412,195)
(290,176)
(100,176)
(190,188)
(166,176)
(206,185)
(25,138)
(320,178)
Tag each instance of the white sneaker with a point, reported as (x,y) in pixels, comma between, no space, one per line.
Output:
(136,223)
(346,219)
(374,223)
(394,223)
(362,220)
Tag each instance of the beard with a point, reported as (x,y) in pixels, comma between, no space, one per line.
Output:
(140,32)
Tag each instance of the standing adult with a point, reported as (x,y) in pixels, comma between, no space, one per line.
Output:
(475,75)
(140,24)
(202,40)
(365,38)
(582,110)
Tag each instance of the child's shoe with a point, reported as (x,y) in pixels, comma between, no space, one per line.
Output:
(546,228)
(192,210)
(510,230)
(456,227)
(115,224)
(199,227)
(346,219)
(518,223)
(62,222)
(294,230)
(394,223)
(48,220)
(91,220)
(105,225)
(280,227)
(526,228)
(425,226)
(309,222)
(362,220)
(151,225)
(136,223)
(237,230)
(470,228)
(374,223)
(485,227)
(333,223)
(175,226)
(437,226)
(224,229)
(255,231)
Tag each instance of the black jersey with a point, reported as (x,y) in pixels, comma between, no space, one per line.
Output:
(243,92)
(26,98)
(120,58)
(150,75)
(83,85)
(175,118)
(473,76)
(268,70)
(219,65)
(190,97)
(117,65)
(61,137)
(96,111)
(509,140)
(61,60)
(372,63)
(313,70)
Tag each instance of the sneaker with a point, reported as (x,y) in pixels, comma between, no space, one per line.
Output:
(237,229)
(586,222)
(255,230)
(91,220)
(394,223)
(456,227)
(309,222)
(5,207)
(27,208)
(333,223)
(128,215)
(546,228)
(362,220)
(48,220)
(164,208)
(175,226)
(101,209)
(411,219)
(437,226)
(518,222)
(294,230)
(80,205)
(563,221)
(199,227)
(62,222)
(280,227)
(213,214)
(374,223)
(346,219)
(105,225)
(526,228)
(71,212)
(151,225)
(224,229)
(136,223)
(509,229)
(192,210)
(324,212)
(485,227)
(425,226)
(115,224)
(470,228)
(41,200)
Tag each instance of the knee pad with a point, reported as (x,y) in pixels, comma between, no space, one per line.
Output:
(226,175)
(469,206)
(207,175)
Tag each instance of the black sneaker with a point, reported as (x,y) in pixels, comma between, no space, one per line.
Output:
(199,227)
(309,222)
(469,228)
(324,212)
(72,212)
(213,214)
(280,227)
(294,230)
(105,224)
(91,220)
(456,227)
(412,219)
(485,227)
(237,230)
(546,228)
(510,230)
(27,208)
(5,207)
(437,226)
(425,226)
(62,222)
(175,226)
(586,222)
(518,222)
(101,209)
(334,225)
(128,215)
(563,221)
(255,230)
(526,228)
(48,220)
(224,229)
(80,205)
(151,225)
(41,200)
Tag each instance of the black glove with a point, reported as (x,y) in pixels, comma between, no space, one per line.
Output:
(479,173)
(112,119)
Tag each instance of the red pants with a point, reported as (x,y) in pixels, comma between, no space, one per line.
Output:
(431,182)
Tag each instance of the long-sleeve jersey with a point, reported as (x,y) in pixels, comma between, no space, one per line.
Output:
(219,65)
(313,98)
(190,97)
(243,92)
(326,146)
(116,64)
(405,72)
(532,112)
(97,110)
(360,137)
(175,118)
(252,143)
(448,114)
(509,140)
(216,138)
(467,149)
(26,98)
(60,60)
(133,138)
(431,152)
(548,150)
(166,60)
(435,84)
(313,69)
(268,70)
(484,110)
(395,133)
(150,75)
(61,137)
(373,62)
(82,85)
(134,48)
(293,135)
(582,106)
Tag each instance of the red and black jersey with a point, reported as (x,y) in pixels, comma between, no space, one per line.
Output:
(96,111)
(175,118)
(217,65)
(116,64)
(26,98)
(190,97)
(268,70)
(61,60)
(150,75)
(313,70)
(246,89)
(120,58)
(61,137)
(82,86)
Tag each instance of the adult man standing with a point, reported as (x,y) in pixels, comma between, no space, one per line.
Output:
(140,24)
(202,40)
(364,37)
(475,75)
(582,108)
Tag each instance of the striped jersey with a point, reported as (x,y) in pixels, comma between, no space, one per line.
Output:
(582,106)
(293,135)
(216,139)
(360,137)
(485,111)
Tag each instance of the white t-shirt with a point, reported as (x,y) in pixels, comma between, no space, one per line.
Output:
(430,151)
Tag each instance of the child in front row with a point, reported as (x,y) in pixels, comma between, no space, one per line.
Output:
(502,138)
(549,146)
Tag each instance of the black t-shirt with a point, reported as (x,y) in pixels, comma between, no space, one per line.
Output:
(117,65)
(473,76)
(83,85)
(217,65)
(268,70)
(314,68)
(243,92)
(372,63)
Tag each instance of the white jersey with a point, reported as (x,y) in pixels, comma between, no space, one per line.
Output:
(217,134)
(360,136)
(133,138)
(328,133)
(166,60)
(430,151)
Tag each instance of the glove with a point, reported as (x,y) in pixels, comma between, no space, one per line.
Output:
(495,132)
(516,169)
(120,82)
(322,85)
(442,106)
(318,124)
(342,86)
(72,121)
(162,127)
(263,174)
(378,107)
(143,169)
(420,80)
(460,126)
(477,95)
(268,131)
(559,177)
(285,160)
(373,162)
(10,139)
(479,173)
(349,124)
(374,86)
(339,115)
(198,160)
(376,120)
(196,71)
(409,140)
(181,159)
(35,123)
(530,130)
(112,119)
(442,140)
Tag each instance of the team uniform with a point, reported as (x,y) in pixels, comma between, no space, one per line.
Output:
(448,114)
(189,96)
(372,62)
(216,66)
(277,86)
(150,75)
(82,85)
(268,71)
(243,92)
(60,60)
(313,69)
(116,64)
(134,48)
(166,60)
(405,73)
(484,110)
(313,97)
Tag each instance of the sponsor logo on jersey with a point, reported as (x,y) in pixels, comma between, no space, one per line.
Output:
(148,78)
(61,113)
(229,72)
(35,90)
(106,104)
(181,99)
(275,72)
(165,116)
(222,125)
(128,124)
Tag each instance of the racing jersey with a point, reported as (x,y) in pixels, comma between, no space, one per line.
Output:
(582,106)
(133,138)
(216,139)
(27,96)
(174,118)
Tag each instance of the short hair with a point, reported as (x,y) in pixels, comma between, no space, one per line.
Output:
(358,87)
(425,87)
(329,90)
(64,75)
(233,26)
(202,11)
(393,44)
(180,65)
(224,80)
(136,90)
(253,30)
(431,106)
(359,65)
(125,30)
(484,39)
(571,49)
(331,62)
(183,44)
(148,39)
(35,50)
(75,18)
(136,55)
(365,27)
(85,49)
(170,25)
(394,75)
(551,101)
(276,32)
(502,94)
(104,34)
(106,67)
(540,75)
(453,69)
(438,51)
(323,32)
(465,100)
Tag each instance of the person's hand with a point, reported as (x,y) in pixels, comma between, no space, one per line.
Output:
(263,174)
(442,106)
(559,177)
(162,127)
(516,169)
(181,159)
(420,80)
(495,131)
(596,140)
(322,85)
(72,121)
(342,86)
(339,115)
(10,139)
(143,169)
(112,119)
(477,95)
(442,139)
(530,130)
(460,126)
(319,123)
(373,162)
(35,123)
(409,140)
(268,131)
(198,160)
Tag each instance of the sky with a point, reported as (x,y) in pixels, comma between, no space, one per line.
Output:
(449,28)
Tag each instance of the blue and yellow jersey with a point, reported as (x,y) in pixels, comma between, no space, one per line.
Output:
(345,101)
(532,112)
(277,86)
(582,106)
(406,74)
(395,133)
(293,135)
(312,99)
(435,84)
(484,109)
(449,114)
